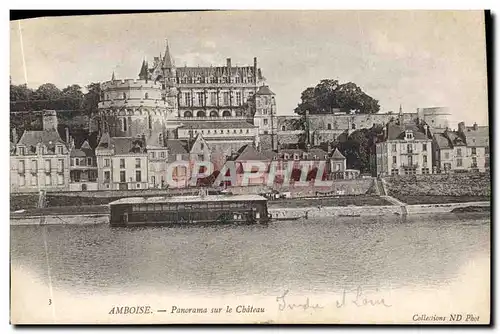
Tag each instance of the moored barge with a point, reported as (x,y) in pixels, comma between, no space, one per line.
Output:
(179,210)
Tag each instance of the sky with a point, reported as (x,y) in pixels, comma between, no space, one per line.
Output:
(409,58)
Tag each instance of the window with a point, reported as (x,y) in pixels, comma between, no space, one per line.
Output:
(459,162)
(247,131)
(424,147)
(283,128)
(34,166)
(424,159)
(394,159)
(459,152)
(353,126)
(200,99)
(202,146)
(48,180)
(122,176)
(241,130)
(21,166)
(474,162)
(146,96)
(22,180)
(59,150)
(47,166)
(200,157)
(137,163)
(221,131)
(124,96)
(238,97)
(106,162)
(409,148)
(295,157)
(122,163)
(225,98)
(153,155)
(153,179)
(329,126)
(107,176)
(265,121)
(162,155)
(394,148)
(89,161)
(394,171)
(213,98)
(473,151)
(22,151)
(409,135)
(60,165)
(337,167)
(60,179)
(446,155)
(34,180)
(137,176)
(187,99)
(123,124)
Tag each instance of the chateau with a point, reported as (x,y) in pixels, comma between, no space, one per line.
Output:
(230,106)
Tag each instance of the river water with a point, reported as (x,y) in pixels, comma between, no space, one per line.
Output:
(310,256)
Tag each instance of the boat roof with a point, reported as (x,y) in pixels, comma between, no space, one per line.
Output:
(189,199)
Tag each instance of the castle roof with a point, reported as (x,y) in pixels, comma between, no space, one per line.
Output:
(441,141)
(177,146)
(215,71)
(167,60)
(217,125)
(49,138)
(143,74)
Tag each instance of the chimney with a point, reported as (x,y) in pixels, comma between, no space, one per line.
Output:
(228,62)
(255,68)
(426,130)
(67,135)
(474,126)
(14,136)
(461,127)
(49,120)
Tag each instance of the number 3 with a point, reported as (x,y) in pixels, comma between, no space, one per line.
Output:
(50,301)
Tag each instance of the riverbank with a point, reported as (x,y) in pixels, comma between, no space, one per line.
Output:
(278,211)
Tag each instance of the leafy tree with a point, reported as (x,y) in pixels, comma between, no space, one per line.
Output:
(91,98)
(359,148)
(329,94)
(48,91)
(20,93)
(72,92)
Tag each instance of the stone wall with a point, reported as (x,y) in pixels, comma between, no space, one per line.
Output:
(467,184)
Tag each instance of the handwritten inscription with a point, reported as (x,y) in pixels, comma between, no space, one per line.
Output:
(356,297)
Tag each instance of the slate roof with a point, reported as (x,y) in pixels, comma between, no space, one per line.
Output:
(249,152)
(216,71)
(337,155)
(122,145)
(217,125)
(84,151)
(441,141)
(30,139)
(177,146)
(395,131)
(320,153)
(264,90)
(477,138)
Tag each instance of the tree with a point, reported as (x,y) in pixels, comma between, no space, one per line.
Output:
(91,98)
(48,91)
(329,94)
(72,92)
(359,147)
(20,93)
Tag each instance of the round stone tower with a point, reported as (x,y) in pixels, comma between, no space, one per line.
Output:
(436,117)
(132,108)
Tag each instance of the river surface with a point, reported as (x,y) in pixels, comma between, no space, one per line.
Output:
(310,256)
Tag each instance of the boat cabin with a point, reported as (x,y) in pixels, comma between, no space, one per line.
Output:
(189,209)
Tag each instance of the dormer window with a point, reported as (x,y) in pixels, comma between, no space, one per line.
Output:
(408,135)
(22,151)
(286,156)
(59,150)
(305,156)
(146,96)
(295,156)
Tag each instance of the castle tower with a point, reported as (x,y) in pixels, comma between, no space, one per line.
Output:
(133,108)
(168,68)
(265,114)
(144,73)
